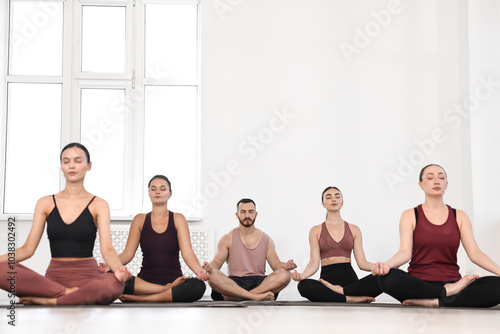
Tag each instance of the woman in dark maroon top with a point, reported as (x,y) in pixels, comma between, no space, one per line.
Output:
(162,234)
(430,237)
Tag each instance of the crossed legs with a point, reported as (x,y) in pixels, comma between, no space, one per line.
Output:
(266,290)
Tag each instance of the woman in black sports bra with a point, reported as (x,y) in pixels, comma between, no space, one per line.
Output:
(73,217)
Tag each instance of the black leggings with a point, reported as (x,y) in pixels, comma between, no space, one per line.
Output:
(483,292)
(189,291)
(338,274)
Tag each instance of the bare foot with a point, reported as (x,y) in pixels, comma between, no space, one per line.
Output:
(38,301)
(336,288)
(359,299)
(178,280)
(162,297)
(421,302)
(207,267)
(454,288)
(264,296)
(254,296)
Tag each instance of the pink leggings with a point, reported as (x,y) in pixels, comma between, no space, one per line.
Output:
(93,287)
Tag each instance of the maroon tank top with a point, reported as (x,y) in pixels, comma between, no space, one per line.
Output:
(434,253)
(160,252)
(328,247)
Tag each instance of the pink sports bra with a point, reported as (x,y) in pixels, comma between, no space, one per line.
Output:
(328,247)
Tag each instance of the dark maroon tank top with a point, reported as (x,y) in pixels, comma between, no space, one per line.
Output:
(160,252)
(434,253)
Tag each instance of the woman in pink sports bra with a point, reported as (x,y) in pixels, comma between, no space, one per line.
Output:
(332,243)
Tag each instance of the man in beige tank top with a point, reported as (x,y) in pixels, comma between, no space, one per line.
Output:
(246,250)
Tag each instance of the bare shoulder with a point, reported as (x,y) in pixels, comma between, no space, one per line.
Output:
(315,230)
(139,220)
(408,218)
(354,229)
(45,201)
(179,218)
(45,204)
(408,214)
(462,219)
(226,239)
(461,214)
(100,203)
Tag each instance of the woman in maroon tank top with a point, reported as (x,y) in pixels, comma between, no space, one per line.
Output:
(331,245)
(162,234)
(430,236)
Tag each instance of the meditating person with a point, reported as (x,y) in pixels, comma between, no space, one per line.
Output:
(246,250)
(332,243)
(73,216)
(162,234)
(430,236)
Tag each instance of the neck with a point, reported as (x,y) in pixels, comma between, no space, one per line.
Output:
(432,202)
(333,217)
(159,210)
(74,189)
(246,230)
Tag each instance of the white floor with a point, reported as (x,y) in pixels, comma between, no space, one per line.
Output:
(268,318)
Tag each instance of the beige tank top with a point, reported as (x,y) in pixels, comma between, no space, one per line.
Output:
(243,261)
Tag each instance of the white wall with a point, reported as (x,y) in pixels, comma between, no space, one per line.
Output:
(484,56)
(382,111)
(365,122)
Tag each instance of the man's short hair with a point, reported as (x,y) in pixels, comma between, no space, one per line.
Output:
(244,200)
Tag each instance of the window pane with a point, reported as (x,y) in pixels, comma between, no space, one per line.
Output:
(33,143)
(36,38)
(102,132)
(170,142)
(171,41)
(103,39)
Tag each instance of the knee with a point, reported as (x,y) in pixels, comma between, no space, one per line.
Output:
(387,281)
(302,286)
(307,287)
(283,276)
(199,288)
(215,275)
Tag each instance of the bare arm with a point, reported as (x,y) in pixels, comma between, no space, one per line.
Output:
(403,255)
(314,255)
(274,261)
(42,210)
(102,217)
(358,251)
(222,252)
(470,245)
(134,237)
(184,238)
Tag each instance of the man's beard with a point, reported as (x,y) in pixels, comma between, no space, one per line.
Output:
(247,222)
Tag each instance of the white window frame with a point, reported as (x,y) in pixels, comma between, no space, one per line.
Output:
(132,81)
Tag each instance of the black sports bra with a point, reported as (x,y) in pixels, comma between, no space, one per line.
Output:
(71,240)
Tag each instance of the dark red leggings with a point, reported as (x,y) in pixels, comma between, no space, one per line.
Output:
(93,287)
